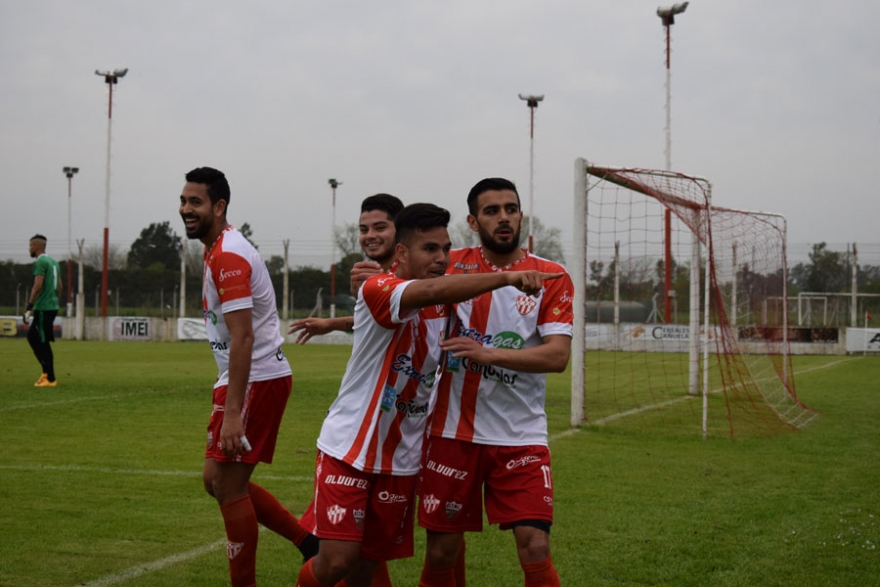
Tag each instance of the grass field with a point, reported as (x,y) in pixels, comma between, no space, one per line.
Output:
(101,482)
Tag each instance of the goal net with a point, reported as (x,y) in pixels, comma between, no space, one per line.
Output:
(681,320)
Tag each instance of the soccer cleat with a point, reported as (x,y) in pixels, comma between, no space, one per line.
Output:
(46,383)
(42,378)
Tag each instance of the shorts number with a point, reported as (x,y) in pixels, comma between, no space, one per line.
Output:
(548,480)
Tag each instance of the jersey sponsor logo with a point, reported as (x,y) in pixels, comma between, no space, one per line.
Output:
(430,503)
(219,345)
(335,513)
(466,266)
(452,509)
(525,304)
(565,297)
(473,334)
(447,471)
(412,409)
(388,497)
(346,480)
(226,274)
(233,548)
(490,372)
(548,500)
(522,462)
(403,365)
(440,309)
(211,316)
(508,340)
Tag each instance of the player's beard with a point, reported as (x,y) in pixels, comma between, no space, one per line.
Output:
(496,246)
(201,229)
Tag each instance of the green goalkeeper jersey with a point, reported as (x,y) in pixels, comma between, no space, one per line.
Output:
(48,267)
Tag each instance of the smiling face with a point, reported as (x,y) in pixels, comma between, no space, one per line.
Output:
(424,254)
(377,236)
(202,219)
(498,222)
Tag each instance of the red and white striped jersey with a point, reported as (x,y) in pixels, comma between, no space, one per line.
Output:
(377,422)
(485,404)
(236,278)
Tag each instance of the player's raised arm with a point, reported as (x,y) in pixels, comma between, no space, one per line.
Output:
(452,289)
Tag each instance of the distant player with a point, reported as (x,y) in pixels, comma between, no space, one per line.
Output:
(42,308)
(254,379)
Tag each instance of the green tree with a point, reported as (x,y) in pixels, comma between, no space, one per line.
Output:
(275,265)
(247,232)
(826,271)
(157,245)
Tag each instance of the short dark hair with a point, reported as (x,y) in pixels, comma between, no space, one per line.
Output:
(387,203)
(419,218)
(218,187)
(39,237)
(488,184)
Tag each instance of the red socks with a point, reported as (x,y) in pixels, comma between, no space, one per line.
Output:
(541,574)
(241,540)
(275,516)
(306,576)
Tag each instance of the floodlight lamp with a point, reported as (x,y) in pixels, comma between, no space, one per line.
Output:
(123,71)
(667,13)
(102,73)
(333,183)
(531,97)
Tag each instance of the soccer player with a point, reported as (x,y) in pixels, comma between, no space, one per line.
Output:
(488,431)
(376,233)
(41,309)
(376,237)
(369,448)
(254,379)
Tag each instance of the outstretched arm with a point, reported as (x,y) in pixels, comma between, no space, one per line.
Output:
(451,289)
(309,327)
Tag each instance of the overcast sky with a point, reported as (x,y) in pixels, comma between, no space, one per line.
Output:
(776,102)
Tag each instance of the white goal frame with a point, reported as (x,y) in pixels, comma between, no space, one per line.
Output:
(701,237)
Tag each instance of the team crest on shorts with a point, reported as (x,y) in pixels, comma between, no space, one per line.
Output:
(430,503)
(525,304)
(335,513)
(358,516)
(452,509)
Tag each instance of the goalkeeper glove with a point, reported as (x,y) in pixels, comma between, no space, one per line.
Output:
(28,312)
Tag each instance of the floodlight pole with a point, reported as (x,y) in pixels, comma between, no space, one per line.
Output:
(333,185)
(111,79)
(69,172)
(532,103)
(667,16)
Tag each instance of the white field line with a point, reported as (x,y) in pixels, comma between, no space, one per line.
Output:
(73,400)
(645,408)
(160,564)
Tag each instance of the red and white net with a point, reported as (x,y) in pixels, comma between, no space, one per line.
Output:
(643,367)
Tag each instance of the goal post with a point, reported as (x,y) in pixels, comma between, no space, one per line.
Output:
(633,362)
